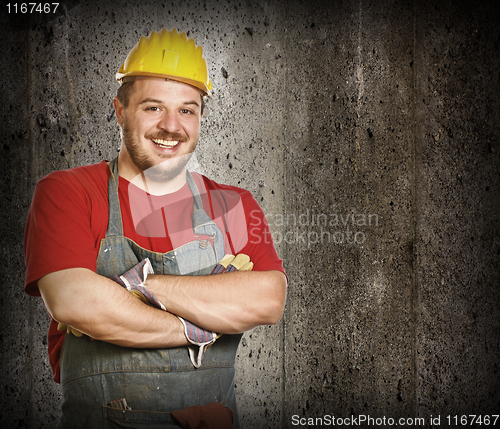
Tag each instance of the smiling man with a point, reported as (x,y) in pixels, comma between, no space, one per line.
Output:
(143,224)
(165,113)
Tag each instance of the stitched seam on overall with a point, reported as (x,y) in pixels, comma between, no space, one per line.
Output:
(135,244)
(146,371)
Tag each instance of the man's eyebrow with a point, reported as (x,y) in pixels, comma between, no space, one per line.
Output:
(150,100)
(191,102)
(156,101)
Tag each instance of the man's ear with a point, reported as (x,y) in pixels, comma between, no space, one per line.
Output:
(119,111)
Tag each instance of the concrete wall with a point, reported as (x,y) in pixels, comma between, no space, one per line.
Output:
(369,133)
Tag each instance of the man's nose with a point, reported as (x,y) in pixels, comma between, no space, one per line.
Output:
(169,121)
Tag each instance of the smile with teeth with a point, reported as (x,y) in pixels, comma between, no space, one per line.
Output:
(166,143)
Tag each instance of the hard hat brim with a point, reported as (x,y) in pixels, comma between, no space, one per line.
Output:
(124,77)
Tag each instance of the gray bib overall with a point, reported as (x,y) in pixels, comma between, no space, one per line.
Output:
(153,381)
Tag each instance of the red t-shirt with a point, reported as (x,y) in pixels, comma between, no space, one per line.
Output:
(68,219)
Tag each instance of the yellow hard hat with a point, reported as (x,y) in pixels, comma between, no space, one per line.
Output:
(168,54)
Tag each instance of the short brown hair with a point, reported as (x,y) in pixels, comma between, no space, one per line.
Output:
(125,90)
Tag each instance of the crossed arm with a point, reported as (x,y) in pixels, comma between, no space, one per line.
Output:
(99,307)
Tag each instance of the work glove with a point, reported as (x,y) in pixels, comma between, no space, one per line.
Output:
(200,338)
(230,263)
(69,329)
(133,280)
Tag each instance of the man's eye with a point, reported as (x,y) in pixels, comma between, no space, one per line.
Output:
(186,111)
(153,109)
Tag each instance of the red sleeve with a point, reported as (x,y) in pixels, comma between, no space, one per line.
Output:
(245,226)
(260,245)
(60,231)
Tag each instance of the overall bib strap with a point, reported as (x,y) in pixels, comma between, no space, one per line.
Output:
(205,229)
(197,203)
(115,224)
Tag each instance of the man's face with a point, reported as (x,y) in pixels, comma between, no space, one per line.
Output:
(160,127)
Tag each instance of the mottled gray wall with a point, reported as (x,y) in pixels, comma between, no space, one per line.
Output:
(369,133)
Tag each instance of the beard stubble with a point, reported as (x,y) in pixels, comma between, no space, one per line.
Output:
(163,171)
